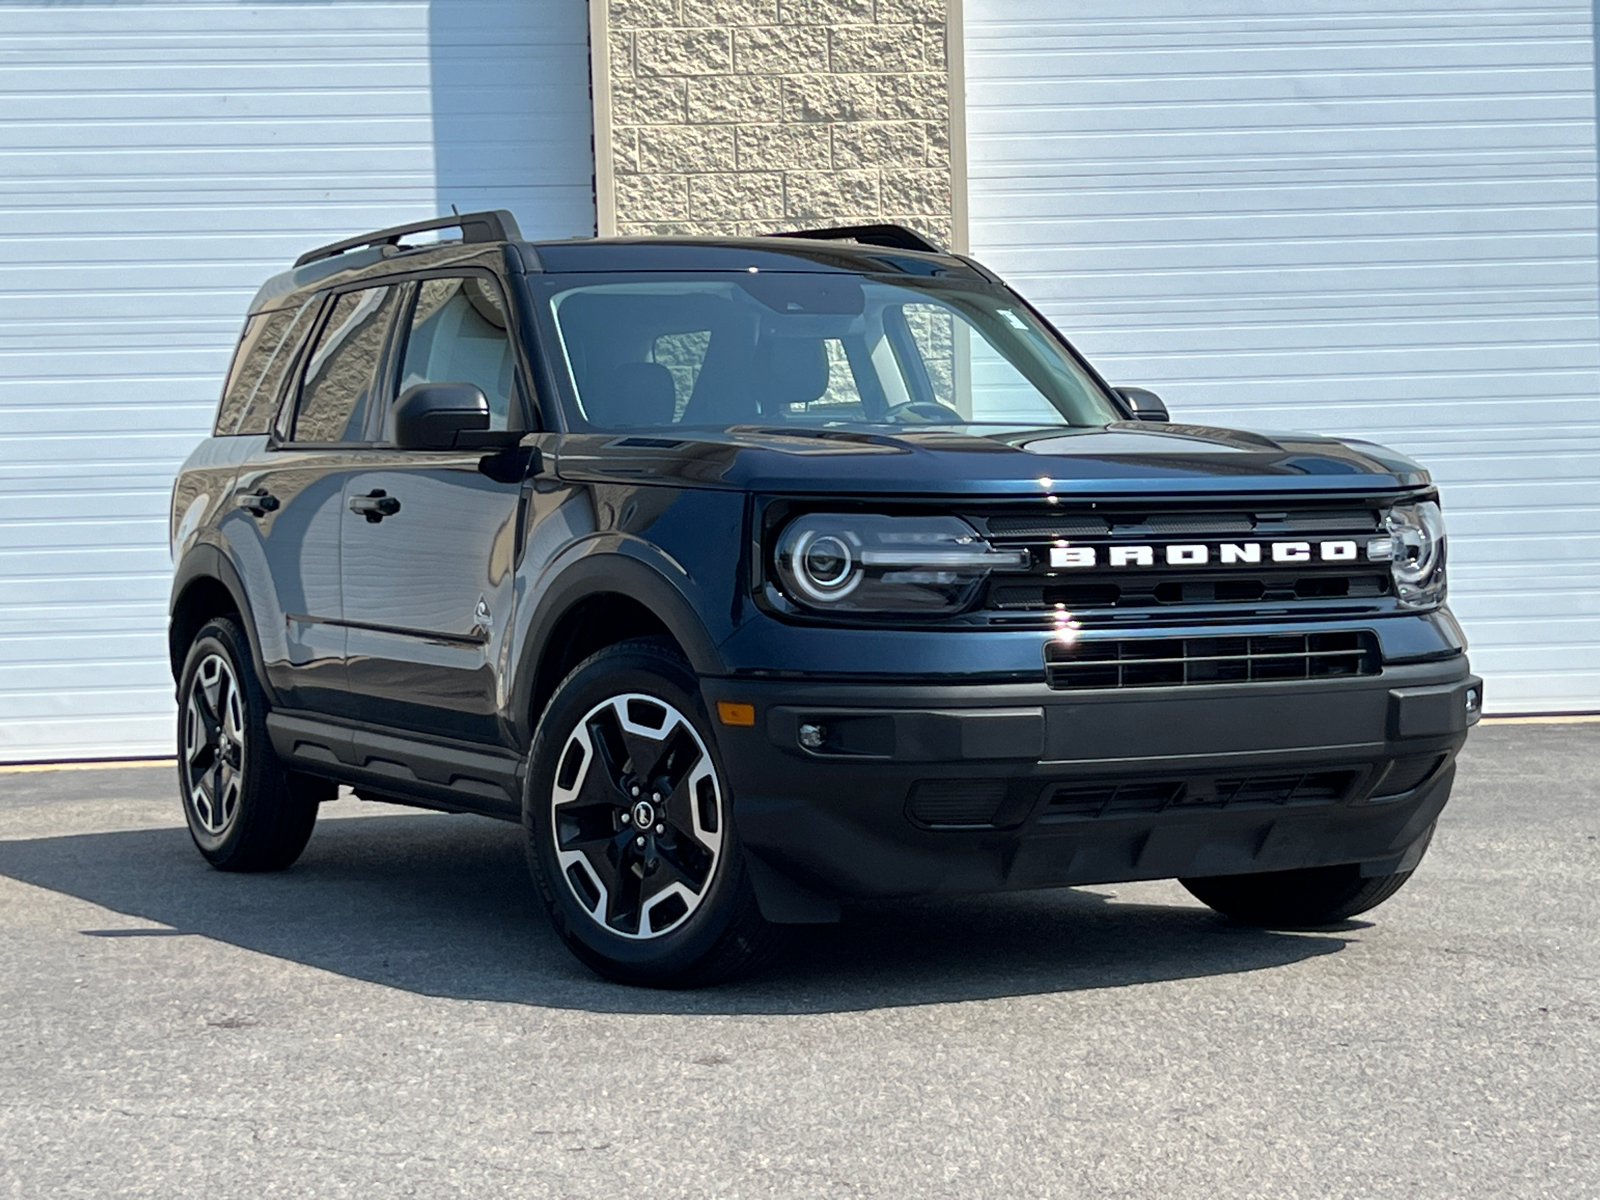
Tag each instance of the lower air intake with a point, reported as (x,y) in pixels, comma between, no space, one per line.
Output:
(957,803)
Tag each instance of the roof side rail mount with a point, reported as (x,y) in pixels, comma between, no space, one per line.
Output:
(893,237)
(496,226)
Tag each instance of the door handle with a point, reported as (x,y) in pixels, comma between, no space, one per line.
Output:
(375,505)
(257,503)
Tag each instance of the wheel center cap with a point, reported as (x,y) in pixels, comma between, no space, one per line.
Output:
(644,815)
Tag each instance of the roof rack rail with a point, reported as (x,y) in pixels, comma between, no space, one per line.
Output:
(496,226)
(893,237)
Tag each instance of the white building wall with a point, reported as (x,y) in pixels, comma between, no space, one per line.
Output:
(158,161)
(1374,218)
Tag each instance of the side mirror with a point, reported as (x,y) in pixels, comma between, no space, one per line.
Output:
(430,416)
(1144,404)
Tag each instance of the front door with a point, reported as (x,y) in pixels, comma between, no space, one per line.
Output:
(427,576)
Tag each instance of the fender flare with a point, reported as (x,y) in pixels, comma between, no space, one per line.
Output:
(617,568)
(206,561)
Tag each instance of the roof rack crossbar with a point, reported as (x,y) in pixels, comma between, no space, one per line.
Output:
(893,237)
(495,226)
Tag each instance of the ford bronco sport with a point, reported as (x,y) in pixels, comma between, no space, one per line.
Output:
(757,575)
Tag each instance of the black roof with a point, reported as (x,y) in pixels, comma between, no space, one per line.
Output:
(493,234)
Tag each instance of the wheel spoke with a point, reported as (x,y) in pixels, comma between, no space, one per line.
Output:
(686,859)
(626,895)
(580,824)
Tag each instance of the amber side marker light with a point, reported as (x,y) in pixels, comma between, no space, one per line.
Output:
(730,713)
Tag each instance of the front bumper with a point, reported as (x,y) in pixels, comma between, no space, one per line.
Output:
(922,789)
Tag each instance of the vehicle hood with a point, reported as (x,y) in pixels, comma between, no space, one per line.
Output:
(1129,457)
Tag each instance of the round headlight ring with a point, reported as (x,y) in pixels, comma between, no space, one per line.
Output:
(826,566)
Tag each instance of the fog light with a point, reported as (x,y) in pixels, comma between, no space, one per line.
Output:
(1474,700)
(812,736)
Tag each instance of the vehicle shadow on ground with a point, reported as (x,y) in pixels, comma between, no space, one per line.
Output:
(443,906)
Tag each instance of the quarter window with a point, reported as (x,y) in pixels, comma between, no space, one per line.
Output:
(339,375)
(250,397)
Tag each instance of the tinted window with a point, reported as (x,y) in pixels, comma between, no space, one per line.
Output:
(458,335)
(339,373)
(250,397)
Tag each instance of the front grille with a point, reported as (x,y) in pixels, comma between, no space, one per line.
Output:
(1244,560)
(1175,662)
(1095,801)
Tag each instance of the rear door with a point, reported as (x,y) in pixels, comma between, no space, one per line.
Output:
(427,586)
(288,501)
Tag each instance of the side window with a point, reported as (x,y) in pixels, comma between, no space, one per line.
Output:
(458,335)
(339,373)
(250,397)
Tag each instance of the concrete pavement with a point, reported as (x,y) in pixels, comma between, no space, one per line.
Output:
(393,1017)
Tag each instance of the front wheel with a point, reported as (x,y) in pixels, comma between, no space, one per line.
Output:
(245,811)
(629,833)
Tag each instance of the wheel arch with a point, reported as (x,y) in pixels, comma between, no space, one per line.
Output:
(207,585)
(598,601)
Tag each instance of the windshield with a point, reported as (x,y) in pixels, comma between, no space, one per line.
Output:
(811,350)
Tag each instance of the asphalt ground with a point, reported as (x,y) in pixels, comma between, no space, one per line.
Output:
(393,1017)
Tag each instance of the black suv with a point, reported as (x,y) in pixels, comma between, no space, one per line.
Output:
(755,575)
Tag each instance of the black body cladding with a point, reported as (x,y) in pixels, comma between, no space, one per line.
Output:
(1170,703)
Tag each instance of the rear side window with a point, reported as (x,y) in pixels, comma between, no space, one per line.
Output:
(250,397)
(340,372)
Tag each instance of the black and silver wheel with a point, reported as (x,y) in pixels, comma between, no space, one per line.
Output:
(244,810)
(213,747)
(628,821)
(1303,899)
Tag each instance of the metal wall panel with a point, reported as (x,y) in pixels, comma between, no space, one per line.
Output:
(1369,218)
(157,162)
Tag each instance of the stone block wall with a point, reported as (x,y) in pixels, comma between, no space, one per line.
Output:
(738,117)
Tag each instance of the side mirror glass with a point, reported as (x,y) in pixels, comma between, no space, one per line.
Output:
(1144,404)
(432,416)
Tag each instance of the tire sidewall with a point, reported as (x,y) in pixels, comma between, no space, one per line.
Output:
(641,668)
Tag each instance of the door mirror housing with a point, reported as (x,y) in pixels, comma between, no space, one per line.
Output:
(435,416)
(1144,404)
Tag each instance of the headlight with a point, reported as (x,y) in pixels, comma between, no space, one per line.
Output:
(1415,550)
(845,562)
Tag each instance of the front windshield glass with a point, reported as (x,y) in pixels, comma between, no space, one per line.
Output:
(811,351)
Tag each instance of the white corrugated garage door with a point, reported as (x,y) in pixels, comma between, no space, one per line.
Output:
(157,162)
(1367,217)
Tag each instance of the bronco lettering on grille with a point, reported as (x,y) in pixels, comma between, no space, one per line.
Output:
(1065,556)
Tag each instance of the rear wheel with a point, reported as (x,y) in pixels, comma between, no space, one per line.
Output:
(629,833)
(1303,899)
(245,811)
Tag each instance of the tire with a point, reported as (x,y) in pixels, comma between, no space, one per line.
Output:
(1304,899)
(639,865)
(245,811)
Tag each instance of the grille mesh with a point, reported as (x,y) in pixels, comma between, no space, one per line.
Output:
(1406,774)
(954,803)
(1092,801)
(1175,662)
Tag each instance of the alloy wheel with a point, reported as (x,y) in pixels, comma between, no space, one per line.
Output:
(637,814)
(213,745)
